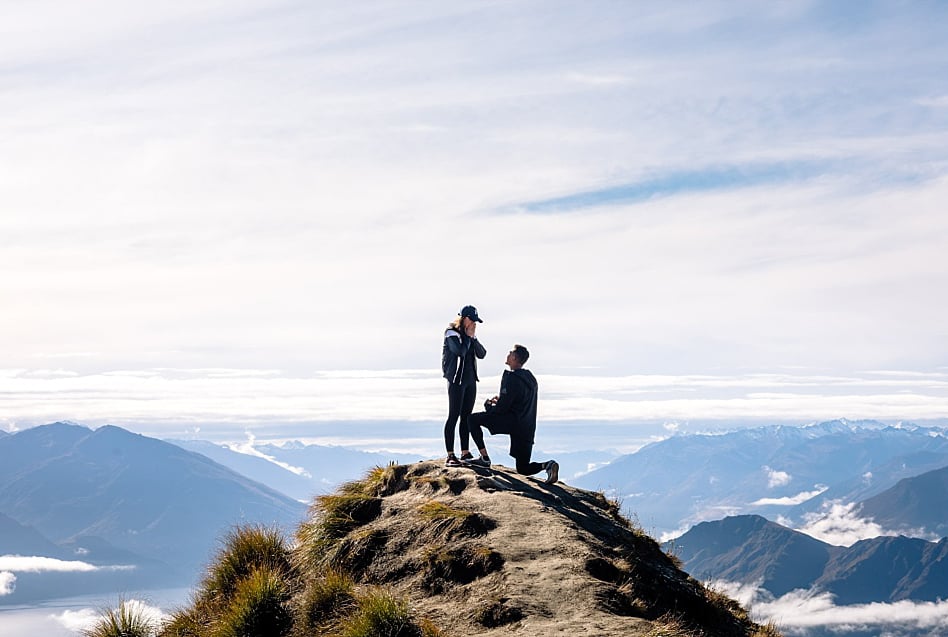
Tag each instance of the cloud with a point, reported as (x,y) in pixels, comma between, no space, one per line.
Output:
(39,564)
(148,399)
(776,478)
(77,620)
(800,610)
(35,564)
(7,583)
(839,524)
(799,498)
(249,448)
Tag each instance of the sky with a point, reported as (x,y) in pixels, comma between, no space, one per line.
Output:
(219,217)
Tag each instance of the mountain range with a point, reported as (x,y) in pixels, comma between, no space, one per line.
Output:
(135,508)
(752,550)
(777,471)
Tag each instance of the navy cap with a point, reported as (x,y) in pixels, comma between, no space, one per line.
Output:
(470,312)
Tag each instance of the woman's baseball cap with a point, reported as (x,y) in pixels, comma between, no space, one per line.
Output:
(470,312)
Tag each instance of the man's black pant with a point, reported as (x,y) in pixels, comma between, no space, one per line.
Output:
(520,449)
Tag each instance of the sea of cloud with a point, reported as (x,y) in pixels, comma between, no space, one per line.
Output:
(802,613)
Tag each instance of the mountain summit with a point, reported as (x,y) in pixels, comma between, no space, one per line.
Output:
(467,551)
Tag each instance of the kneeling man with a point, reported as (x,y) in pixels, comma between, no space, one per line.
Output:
(513,412)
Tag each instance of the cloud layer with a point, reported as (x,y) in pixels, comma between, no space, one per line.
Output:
(798,611)
(149,399)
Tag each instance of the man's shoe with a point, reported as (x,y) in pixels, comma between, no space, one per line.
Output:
(552,472)
(483,461)
(452,461)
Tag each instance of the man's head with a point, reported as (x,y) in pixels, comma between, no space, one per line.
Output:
(517,357)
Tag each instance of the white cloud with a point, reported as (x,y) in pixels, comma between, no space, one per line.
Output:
(7,583)
(261,399)
(800,610)
(36,564)
(249,448)
(776,478)
(839,524)
(77,620)
(793,500)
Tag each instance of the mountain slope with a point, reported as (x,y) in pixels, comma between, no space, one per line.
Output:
(751,550)
(920,502)
(17,539)
(136,493)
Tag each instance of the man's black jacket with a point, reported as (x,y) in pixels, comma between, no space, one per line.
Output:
(517,404)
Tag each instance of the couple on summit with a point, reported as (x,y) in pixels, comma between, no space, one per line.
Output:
(513,411)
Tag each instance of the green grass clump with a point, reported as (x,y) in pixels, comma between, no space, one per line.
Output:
(324,600)
(259,607)
(380,614)
(246,550)
(130,619)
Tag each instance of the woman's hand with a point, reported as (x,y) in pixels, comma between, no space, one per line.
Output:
(470,327)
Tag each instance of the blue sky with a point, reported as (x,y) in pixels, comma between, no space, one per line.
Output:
(265,212)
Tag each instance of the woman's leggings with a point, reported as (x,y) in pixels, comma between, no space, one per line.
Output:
(460,404)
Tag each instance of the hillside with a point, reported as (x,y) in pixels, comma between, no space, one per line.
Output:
(118,499)
(913,505)
(752,550)
(473,552)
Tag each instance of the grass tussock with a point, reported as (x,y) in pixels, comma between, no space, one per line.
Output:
(324,601)
(380,614)
(245,550)
(331,518)
(259,608)
(129,619)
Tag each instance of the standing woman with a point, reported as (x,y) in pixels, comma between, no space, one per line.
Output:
(459,365)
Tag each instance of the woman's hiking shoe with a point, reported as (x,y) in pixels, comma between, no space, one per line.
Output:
(452,461)
(483,461)
(552,472)
(466,457)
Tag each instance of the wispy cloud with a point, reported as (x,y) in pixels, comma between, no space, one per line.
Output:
(677,183)
(793,500)
(249,448)
(10,565)
(36,564)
